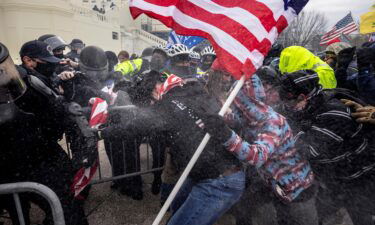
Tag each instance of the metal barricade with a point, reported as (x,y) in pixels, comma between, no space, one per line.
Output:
(23,187)
(109,152)
(121,156)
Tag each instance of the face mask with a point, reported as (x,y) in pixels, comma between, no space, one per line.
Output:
(156,64)
(60,56)
(181,70)
(46,69)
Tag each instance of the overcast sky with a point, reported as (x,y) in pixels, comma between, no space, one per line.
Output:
(337,9)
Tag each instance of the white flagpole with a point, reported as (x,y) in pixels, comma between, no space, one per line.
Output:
(196,155)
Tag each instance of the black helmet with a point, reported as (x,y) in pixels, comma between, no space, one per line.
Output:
(112,59)
(300,82)
(268,75)
(76,43)
(94,63)
(54,41)
(11,83)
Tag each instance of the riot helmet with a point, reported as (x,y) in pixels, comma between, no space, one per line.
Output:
(57,44)
(12,86)
(11,83)
(94,63)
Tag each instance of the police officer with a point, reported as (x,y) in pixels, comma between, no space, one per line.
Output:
(57,44)
(131,68)
(66,67)
(76,47)
(33,125)
(93,68)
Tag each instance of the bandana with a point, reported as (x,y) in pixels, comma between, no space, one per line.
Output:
(171,82)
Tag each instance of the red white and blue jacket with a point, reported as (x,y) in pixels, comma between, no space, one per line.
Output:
(267,143)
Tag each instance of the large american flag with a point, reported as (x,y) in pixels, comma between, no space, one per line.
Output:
(241,31)
(345,26)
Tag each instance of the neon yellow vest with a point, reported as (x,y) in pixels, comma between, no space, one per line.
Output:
(129,67)
(296,58)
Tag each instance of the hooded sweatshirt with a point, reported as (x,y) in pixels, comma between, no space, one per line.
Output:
(296,58)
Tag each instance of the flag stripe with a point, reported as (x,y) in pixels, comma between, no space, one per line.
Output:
(346,31)
(339,30)
(343,30)
(249,21)
(344,26)
(243,34)
(223,39)
(241,31)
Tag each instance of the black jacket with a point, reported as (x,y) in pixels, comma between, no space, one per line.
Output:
(338,147)
(179,113)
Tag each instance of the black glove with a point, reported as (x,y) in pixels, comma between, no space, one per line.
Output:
(90,153)
(216,127)
(365,57)
(345,57)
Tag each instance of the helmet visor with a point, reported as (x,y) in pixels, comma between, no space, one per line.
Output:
(56,42)
(11,84)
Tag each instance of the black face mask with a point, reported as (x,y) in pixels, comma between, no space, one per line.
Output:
(181,71)
(60,56)
(46,69)
(156,65)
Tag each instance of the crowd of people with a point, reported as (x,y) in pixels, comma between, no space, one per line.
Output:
(294,148)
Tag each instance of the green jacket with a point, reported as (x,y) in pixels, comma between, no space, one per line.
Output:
(296,58)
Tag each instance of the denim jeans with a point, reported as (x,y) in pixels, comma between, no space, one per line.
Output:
(204,202)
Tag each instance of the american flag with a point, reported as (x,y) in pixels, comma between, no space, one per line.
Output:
(345,26)
(189,41)
(84,176)
(241,31)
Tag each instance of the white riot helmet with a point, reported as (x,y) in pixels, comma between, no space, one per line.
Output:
(209,50)
(178,49)
(194,55)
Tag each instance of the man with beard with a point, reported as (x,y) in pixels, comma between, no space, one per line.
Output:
(31,138)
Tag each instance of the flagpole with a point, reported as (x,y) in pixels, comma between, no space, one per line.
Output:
(196,155)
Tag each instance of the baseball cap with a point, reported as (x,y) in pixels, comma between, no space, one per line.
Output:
(40,50)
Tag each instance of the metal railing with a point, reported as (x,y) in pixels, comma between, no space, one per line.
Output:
(26,187)
(117,159)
